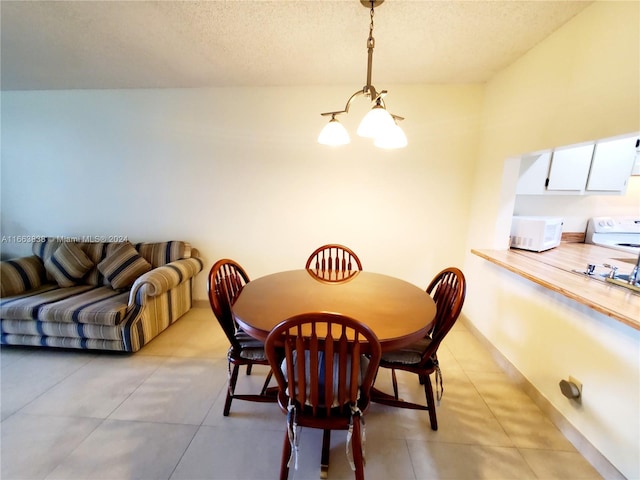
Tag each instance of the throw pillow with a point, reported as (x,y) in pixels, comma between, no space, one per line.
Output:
(68,264)
(123,266)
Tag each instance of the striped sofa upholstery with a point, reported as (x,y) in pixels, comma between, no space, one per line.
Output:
(91,314)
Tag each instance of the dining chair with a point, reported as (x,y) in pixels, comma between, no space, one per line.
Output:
(333,257)
(225,282)
(448,289)
(324,364)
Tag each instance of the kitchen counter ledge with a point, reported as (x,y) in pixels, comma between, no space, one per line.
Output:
(552,269)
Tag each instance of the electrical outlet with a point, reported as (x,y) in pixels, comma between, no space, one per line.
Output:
(577,383)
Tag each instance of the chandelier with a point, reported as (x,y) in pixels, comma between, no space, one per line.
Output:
(378,123)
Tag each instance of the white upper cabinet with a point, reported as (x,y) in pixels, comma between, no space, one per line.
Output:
(603,167)
(570,168)
(612,164)
(534,169)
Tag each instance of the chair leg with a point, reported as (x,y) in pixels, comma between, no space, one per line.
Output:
(356,445)
(326,450)
(286,454)
(431,404)
(249,368)
(232,386)
(394,380)
(266,383)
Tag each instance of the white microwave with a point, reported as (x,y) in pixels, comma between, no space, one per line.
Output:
(536,233)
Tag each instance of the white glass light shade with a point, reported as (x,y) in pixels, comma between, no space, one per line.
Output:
(393,137)
(334,134)
(376,121)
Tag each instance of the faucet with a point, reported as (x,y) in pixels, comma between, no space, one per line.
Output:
(634,276)
(613,270)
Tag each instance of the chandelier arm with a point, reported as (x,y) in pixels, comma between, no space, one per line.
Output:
(346,107)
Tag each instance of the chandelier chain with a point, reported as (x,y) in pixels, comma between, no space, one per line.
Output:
(371,41)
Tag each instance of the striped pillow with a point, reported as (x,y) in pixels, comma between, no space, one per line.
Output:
(123,266)
(68,264)
(20,275)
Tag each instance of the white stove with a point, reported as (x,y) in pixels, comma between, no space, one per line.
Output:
(618,233)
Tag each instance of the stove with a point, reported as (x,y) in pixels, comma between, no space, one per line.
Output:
(618,233)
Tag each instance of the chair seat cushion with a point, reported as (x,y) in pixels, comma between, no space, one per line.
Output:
(408,355)
(251,349)
(364,364)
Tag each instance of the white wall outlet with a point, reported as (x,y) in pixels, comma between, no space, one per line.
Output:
(577,383)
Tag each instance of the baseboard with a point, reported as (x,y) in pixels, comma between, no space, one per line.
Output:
(200,303)
(579,441)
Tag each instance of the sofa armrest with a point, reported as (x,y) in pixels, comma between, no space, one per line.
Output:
(164,278)
(21,275)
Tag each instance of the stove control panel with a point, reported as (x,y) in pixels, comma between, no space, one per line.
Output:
(613,225)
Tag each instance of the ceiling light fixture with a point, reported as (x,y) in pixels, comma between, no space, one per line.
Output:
(378,123)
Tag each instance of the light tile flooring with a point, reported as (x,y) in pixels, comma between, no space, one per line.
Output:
(157,414)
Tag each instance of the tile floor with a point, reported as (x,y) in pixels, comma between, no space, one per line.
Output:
(158,415)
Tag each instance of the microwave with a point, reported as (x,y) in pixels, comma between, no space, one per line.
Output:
(536,233)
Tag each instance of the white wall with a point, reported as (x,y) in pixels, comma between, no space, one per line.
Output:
(238,173)
(576,210)
(582,83)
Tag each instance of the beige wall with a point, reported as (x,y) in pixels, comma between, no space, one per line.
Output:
(238,173)
(582,83)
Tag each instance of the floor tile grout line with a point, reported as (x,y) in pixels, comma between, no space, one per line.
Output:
(51,387)
(70,452)
(157,367)
(175,467)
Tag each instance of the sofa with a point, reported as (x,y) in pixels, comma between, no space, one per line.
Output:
(114,296)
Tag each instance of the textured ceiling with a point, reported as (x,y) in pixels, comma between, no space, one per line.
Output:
(149,44)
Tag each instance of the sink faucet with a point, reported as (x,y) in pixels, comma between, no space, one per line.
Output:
(613,270)
(634,276)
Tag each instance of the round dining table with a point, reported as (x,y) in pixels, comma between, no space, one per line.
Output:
(398,312)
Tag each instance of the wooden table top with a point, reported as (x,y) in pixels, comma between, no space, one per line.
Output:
(397,311)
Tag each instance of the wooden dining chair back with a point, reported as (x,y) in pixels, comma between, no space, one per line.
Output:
(333,257)
(448,289)
(325,365)
(225,282)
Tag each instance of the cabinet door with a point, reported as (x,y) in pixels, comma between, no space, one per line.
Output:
(534,170)
(611,165)
(570,168)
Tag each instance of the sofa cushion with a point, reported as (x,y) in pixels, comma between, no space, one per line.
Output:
(161,253)
(99,305)
(97,252)
(44,249)
(62,329)
(27,305)
(123,266)
(68,264)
